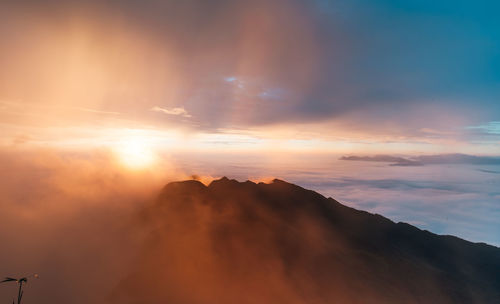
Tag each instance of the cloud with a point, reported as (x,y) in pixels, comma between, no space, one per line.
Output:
(69,207)
(62,208)
(396,161)
(180,111)
(403,185)
(491,128)
(96,111)
(457,201)
(428,159)
(331,64)
(489,171)
(459,159)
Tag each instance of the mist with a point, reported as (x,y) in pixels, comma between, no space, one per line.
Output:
(97,231)
(69,218)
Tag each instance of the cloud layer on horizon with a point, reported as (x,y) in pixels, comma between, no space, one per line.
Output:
(421,160)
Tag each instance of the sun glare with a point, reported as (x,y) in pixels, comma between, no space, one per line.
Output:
(135,153)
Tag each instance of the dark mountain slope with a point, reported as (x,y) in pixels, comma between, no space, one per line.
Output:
(235,242)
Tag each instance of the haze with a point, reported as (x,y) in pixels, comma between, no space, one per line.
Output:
(388,106)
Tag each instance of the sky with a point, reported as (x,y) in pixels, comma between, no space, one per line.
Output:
(388,106)
(343,76)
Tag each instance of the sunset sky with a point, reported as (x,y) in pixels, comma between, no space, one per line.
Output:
(336,76)
(387,106)
(262,89)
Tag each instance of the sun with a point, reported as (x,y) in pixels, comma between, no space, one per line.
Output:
(135,153)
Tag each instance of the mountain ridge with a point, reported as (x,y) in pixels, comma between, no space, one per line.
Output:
(225,179)
(294,245)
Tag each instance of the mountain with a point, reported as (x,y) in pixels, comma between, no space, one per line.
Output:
(242,242)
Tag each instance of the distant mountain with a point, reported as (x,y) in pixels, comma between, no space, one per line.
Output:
(233,242)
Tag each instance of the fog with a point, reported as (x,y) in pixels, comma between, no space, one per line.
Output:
(68,218)
(84,221)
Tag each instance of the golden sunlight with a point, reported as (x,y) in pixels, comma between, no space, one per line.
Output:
(135,153)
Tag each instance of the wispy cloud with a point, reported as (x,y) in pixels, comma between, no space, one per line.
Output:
(492,127)
(395,160)
(403,184)
(95,111)
(428,159)
(26,107)
(489,171)
(179,111)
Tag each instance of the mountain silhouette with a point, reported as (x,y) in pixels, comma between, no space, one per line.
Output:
(242,242)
